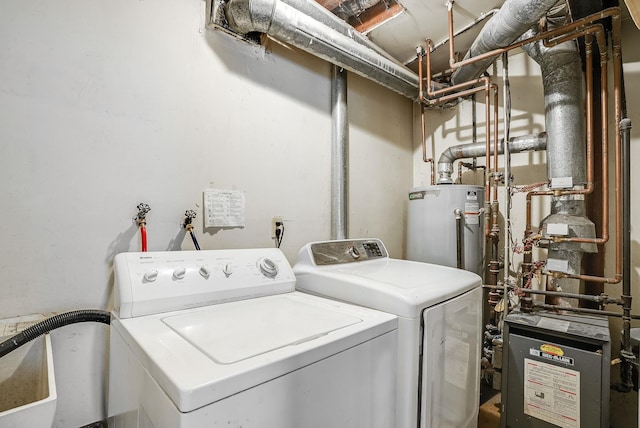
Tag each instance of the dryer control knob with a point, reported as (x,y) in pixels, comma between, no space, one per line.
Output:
(151,275)
(268,267)
(179,272)
(205,271)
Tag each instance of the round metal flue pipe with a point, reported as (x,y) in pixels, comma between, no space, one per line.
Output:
(339,154)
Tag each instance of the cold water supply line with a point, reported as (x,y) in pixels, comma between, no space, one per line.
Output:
(141,221)
(190,215)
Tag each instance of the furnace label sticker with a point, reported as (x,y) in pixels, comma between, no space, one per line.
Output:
(553,356)
(552,393)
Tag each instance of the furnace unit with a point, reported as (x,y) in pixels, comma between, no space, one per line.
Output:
(557,371)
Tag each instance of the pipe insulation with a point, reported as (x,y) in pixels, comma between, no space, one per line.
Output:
(525,143)
(308,26)
(513,19)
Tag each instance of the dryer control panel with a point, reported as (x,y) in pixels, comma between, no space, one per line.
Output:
(154,282)
(347,251)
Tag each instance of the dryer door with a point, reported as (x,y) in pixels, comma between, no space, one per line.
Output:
(451,362)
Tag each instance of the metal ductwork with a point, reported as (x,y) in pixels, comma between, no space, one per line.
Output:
(526,143)
(564,99)
(513,19)
(310,27)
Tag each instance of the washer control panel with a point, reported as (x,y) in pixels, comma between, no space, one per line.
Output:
(347,251)
(155,282)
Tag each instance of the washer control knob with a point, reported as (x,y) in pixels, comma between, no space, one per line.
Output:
(205,271)
(151,275)
(179,272)
(353,252)
(268,267)
(227,270)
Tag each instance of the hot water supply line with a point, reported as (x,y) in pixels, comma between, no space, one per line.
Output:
(141,221)
(190,216)
(52,323)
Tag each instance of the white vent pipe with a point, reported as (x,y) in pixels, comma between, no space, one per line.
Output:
(310,27)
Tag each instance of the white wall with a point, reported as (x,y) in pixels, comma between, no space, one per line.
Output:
(104,105)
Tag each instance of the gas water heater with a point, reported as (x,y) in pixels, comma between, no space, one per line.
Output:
(445,226)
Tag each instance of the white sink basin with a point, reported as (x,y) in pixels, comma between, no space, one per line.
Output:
(27,384)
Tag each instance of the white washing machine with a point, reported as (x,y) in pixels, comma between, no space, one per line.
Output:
(221,338)
(439,324)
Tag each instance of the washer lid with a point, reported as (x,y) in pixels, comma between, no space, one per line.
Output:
(198,357)
(256,329)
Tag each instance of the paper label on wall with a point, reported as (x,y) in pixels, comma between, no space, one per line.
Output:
(224,208)
(552,393)
(456,361)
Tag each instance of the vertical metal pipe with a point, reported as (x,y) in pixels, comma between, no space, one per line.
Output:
(625,129)
(459,243)
(339,153)
(506,105)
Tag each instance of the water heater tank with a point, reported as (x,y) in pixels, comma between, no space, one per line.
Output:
(432,227)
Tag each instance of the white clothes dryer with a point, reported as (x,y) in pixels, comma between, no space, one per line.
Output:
(439,324)
(221,338)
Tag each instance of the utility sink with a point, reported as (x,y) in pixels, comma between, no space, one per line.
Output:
(27,382)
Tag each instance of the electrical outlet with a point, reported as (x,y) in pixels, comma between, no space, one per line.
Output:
(274,222)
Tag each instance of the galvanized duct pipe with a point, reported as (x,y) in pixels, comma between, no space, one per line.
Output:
(512,20)
(525,143)
(308,26)
(339,154)
(564,98)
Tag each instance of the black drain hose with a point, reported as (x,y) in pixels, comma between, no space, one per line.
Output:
(52,323)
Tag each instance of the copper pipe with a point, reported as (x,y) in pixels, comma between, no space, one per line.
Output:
(494,87)
(602,299)
(472,89)
(528,205)
(577,25)
(613,280)
(452,52)
(604,96)
(424,146)
(443,91)
(581,310)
